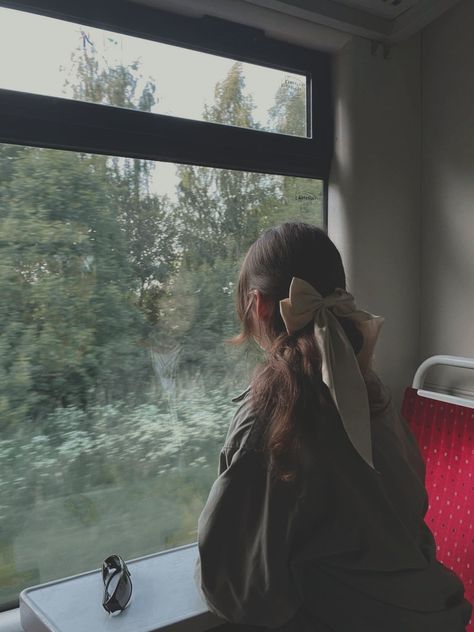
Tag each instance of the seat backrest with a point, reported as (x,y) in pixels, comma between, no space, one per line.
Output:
(445,435)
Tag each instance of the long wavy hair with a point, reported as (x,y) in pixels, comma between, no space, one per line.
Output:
(287,389)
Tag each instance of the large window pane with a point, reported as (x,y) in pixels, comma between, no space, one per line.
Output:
(117,279)
(57,58)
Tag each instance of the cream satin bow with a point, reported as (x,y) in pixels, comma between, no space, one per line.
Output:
(341,371)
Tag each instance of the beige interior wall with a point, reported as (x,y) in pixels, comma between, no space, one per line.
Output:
(374,194)
(447,267)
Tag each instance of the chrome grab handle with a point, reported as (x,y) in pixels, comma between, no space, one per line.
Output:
(457,361)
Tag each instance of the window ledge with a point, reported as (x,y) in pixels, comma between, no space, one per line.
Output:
(164,598)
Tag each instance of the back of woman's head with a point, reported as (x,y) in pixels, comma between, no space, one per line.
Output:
(287,389)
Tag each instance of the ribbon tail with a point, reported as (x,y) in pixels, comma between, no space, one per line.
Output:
(342,376)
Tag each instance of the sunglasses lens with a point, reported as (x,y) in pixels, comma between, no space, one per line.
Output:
(123,590)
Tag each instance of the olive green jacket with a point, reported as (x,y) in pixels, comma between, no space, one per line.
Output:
(344,550)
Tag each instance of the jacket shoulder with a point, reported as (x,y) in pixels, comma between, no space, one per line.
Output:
(243,429)
(245,433)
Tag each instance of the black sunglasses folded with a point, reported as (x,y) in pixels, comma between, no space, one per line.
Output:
(117,584)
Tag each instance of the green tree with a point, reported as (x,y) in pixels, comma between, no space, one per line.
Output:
(145,217)
(96,81)
(288,115)
(232,106)
(218,210)
(301,198)
(69,284)
(218,214)
(85,251)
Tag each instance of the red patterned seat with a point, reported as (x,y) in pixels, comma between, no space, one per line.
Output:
(445,434)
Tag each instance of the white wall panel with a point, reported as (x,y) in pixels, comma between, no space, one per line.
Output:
(447,307)
(374,195)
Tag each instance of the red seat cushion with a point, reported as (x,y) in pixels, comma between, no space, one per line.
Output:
(445,435)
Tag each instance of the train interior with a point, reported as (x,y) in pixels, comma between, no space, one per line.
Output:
(125,210)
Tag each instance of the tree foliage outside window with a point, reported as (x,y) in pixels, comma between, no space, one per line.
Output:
(115,374)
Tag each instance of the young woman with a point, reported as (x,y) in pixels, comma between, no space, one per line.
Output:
(315,523)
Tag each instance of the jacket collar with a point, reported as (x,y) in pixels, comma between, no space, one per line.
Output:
(241,396)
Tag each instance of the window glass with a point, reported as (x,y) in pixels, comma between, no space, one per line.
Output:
(117,279)
(58,58)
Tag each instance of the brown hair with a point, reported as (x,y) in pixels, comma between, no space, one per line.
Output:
(287,389)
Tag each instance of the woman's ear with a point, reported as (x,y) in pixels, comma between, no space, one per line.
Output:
(263,305)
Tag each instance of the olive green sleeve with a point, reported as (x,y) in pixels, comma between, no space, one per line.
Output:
(245,540)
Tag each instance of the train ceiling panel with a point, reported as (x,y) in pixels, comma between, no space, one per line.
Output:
(326,24)
(388,20)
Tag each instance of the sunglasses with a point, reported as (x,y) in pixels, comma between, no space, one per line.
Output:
(117,584)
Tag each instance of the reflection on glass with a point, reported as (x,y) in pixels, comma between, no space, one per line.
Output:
(58,58)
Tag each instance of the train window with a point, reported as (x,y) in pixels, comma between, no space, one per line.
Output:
(172,80)
(122,228)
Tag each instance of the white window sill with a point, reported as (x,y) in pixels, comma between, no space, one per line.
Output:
(164,598)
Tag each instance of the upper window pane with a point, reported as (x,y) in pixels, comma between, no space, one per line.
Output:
(58,58)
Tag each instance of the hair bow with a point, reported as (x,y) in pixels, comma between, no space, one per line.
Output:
(340,368)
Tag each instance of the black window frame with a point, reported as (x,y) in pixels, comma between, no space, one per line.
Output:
(55,122)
